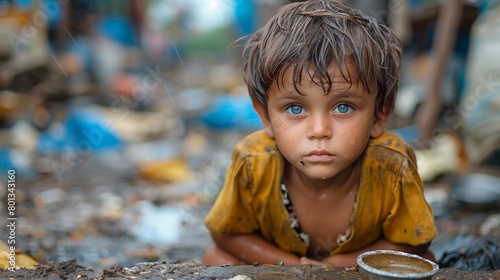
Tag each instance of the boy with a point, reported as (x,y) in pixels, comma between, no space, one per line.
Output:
(322,182)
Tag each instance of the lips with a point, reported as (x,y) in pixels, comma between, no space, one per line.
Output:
(319,156)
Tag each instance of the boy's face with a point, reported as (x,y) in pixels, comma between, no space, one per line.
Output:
(320,134)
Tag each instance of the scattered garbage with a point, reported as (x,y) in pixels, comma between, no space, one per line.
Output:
(157,224)
(52,198)
(482,255)
(14,259)
(444,154)
(18,160)
(84,132)
(232,113)
(490,226)
(477,190)
(174,170)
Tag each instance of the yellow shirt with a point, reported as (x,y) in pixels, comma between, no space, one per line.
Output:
(390,201)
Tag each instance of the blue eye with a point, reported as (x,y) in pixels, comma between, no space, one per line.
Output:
(343,108)
(295,109)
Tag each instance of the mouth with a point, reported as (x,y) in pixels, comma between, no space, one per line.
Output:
(319,156)
(319,153)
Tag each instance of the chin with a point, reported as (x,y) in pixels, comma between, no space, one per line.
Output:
(320,173)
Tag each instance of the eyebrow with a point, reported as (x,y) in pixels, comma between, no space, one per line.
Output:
(350,94)
(353,96)
(356,94)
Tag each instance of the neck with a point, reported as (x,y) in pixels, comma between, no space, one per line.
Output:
(344,182)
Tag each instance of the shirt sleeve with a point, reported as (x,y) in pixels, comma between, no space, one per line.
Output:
(411,220)
(232,211)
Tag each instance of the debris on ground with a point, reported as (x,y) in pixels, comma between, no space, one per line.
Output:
(164,270)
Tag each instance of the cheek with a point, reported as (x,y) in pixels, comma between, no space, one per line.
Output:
(355,140)
(280,128)
(286,139)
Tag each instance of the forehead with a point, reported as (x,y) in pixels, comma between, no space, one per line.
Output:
(311,92)
(336,78)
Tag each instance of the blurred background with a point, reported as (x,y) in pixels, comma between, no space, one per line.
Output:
(119,116)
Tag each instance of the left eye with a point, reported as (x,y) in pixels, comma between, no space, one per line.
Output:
(295,109)
(343,109)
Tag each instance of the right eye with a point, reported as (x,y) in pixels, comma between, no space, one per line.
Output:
(295,109)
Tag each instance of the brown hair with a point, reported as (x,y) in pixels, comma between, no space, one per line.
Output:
(321,34)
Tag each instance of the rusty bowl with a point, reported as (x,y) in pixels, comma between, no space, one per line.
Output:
(388,264)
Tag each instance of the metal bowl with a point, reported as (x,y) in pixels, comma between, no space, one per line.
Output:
(476,189)
(388,264)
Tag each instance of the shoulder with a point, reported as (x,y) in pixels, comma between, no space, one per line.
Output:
(389,140)
(258,156)
(257,143)
(390,143)
(390,153)
(256,162)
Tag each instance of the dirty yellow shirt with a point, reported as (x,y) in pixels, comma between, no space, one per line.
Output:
(390,201)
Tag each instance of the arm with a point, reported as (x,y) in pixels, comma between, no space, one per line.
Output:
(349,259)
(253,248)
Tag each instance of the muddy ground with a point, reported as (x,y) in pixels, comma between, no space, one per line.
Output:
(71,270)
(102,212)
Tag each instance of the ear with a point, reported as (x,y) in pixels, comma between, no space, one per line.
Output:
(381,119)
(264,117)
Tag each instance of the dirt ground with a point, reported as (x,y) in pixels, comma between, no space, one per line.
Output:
(103,214)
(71,270)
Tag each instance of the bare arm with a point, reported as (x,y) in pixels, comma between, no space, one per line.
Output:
(349,259)
(253,248)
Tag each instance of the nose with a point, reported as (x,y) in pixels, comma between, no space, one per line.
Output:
(320,126)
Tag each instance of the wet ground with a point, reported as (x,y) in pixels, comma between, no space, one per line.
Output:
(102,212)
(71,270)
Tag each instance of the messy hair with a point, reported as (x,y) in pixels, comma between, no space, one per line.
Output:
(315,35)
